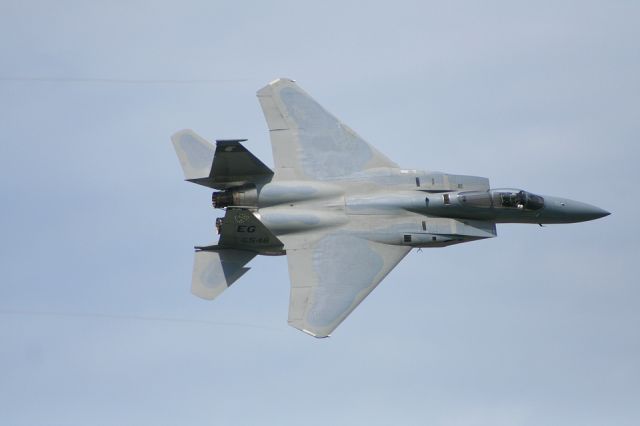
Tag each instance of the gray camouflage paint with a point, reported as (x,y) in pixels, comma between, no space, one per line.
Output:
(344,214)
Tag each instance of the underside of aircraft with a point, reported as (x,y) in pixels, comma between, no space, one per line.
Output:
(341,211)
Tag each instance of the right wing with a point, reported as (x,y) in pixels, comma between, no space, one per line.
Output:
(331,277)
(310,143)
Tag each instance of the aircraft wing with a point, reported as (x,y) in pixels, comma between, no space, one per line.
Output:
(310,143)
(330,278)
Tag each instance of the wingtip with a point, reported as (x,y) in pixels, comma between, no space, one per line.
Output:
(281,79)
(298,325)
(317,336)
(274,85)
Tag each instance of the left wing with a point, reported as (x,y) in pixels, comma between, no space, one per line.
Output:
(330,278)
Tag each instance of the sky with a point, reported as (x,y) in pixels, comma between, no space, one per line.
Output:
(97,323)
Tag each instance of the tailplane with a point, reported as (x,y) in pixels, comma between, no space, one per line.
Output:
(242,237)
(215,271)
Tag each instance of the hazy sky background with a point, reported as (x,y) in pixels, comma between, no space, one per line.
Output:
(540,326)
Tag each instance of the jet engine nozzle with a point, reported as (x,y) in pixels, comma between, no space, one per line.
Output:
(222,199)
(243,196)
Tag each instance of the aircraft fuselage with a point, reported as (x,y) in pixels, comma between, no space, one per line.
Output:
(403,207)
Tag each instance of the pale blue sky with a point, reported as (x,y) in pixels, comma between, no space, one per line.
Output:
(536,327)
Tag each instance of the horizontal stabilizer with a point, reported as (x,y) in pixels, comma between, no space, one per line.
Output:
(215,271)
(195,154)
(226,165)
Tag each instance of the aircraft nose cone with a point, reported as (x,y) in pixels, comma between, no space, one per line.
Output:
(597,213)
(586,212)
(583,211)
(575,211)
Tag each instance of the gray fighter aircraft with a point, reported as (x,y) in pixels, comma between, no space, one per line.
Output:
(342,212)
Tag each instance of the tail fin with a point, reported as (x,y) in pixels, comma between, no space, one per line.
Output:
(241,229)
(226,165)
(215,271)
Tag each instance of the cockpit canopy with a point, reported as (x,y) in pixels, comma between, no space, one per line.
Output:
(516,199)
(502,198)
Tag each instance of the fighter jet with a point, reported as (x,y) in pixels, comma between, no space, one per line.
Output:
(342,212)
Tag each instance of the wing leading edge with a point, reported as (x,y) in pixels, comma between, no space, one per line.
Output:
(330,279)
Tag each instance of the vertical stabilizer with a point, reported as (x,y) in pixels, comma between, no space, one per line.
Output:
(215,271)
(227,164)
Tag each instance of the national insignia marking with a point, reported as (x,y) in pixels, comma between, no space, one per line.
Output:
(242,218)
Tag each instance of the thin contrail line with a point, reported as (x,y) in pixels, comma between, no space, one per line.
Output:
(118,80)
(131,317)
